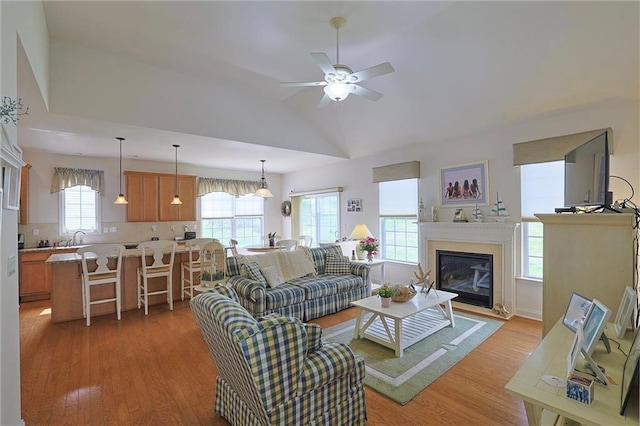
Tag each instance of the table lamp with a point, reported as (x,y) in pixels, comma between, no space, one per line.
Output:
(360,232)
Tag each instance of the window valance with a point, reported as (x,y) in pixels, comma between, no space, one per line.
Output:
(66,178)
(230,186)
(400,171)
(554,149)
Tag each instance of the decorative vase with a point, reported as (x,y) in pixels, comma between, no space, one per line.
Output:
(272,242)
(369,257)
(385,301)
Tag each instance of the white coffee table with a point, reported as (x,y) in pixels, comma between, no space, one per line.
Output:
(403,324)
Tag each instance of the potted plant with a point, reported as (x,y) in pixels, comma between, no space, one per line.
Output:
(272,239)
(386,293)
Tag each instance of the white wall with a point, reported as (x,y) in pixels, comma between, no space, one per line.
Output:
(494,146)
(26,20)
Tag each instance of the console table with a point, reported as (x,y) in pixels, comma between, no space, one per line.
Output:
(550,358)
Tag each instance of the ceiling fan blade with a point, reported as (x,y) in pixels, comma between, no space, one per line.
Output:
(322,60)
(326,100)
(304,84)
(368,73)
(372,95)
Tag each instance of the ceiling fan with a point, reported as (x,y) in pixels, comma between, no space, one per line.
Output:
(339,80)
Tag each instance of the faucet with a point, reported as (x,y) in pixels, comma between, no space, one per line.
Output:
(73,240)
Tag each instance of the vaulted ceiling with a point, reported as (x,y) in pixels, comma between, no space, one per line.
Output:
(206,75)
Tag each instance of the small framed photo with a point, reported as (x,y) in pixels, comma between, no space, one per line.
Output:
(576,312)
(594,325)
(354,205)
(623,316)
(464,185)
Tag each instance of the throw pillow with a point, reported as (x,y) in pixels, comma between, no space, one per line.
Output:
(295,264)
(270,273)
(254,273)
(337,265)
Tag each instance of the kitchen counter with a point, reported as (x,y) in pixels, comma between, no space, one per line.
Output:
(36,249)
(66,284)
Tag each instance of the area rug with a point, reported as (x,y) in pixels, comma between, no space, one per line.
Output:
(403,378)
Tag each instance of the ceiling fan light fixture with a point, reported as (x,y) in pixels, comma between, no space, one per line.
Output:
(338,91)
(263,191)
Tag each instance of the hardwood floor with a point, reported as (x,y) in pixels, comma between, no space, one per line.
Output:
(157,370)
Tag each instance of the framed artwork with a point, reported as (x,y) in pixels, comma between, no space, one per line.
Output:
(11,187)
(623,316)
(464,185)
(354,205)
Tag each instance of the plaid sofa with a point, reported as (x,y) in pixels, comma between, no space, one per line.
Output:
(277,370)
(307,297)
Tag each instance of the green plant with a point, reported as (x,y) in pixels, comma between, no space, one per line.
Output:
(272,235)
(385,291)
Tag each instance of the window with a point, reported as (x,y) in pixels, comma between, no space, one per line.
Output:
(79,210)
(226,217)
(320,216)
(542,190)
(398,202)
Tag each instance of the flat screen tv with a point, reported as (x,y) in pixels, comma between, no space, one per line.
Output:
(586,174)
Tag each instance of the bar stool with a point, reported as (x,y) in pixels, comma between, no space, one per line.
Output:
(103,273)
(192,265)
(158,268)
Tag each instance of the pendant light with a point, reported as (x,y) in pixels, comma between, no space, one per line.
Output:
(264,190)
(120,199)
(176,198)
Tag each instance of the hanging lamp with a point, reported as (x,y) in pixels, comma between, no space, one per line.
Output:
(120,199)
(264,190)
(176,198)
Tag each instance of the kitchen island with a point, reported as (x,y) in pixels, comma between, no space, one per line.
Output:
(66,285)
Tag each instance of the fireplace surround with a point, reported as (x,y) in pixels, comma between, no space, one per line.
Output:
(495,239)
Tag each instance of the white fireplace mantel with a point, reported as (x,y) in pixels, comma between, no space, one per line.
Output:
(503,234)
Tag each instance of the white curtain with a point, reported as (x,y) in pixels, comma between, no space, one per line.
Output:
(66,178)
(233,187)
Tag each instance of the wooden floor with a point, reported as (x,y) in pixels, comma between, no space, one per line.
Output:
(156,370)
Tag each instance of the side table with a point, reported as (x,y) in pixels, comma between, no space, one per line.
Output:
(375,263)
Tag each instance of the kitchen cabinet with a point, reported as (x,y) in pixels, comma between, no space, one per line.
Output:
(150,194)
(142,195)
(24,195)
(187,192)
(35,274)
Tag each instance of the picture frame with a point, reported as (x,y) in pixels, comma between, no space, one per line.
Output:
(625,310)
(594,325)
(354,205)
(576,312)
(576,348)
(630,372)
(464,185)
(11,187)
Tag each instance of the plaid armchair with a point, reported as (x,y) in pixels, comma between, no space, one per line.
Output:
(277,370)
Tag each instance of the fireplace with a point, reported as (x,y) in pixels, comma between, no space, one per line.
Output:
(495,239)
(470,275)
